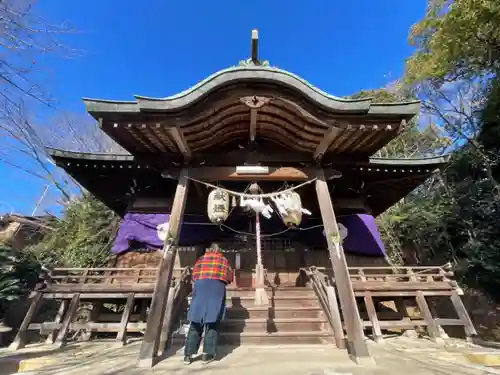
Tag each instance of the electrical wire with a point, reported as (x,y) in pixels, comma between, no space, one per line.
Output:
(253,234)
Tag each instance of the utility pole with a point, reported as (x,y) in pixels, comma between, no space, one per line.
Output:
(39,202)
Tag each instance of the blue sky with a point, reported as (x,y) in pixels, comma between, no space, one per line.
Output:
(161,47)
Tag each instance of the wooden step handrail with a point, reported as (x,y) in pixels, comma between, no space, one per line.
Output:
(328,300)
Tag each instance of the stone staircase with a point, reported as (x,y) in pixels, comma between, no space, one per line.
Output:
(293,316)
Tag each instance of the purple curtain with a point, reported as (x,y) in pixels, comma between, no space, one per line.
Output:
(363,236)
(139,230)
(142,230)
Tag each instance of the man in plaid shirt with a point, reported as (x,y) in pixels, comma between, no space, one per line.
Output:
(211,274)
(213,266)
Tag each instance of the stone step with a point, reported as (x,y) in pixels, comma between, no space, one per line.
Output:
(278,312)
(273,325)
(280,292)
(286,300)
(263,338)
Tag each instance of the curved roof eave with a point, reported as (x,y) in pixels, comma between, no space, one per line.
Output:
(258,74)
(430,160)
(95,156)
(125,157)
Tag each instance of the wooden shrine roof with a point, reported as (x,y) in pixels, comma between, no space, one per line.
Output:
(115,178)
(246,103)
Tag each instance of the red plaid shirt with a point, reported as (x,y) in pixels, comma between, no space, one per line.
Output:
(213,265)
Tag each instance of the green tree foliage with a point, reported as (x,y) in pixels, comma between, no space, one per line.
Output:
(454,216)
(414,142)
(18,274)
(456,39)
(489,134)
(81,238)
(10,287)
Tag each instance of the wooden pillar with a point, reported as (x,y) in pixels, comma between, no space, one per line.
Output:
(372,314)
(93,318)
(150,344)
(401,306)
(432,327)
(356,344)
(122,333)
(463,315)
(167,320)
(66,322)
(60,314)
(338,330)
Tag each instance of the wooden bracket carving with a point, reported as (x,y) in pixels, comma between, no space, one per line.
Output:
(178,138)
(254,103)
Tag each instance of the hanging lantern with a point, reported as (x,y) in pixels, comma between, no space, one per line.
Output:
(344,232)
(293,206)
(218,206)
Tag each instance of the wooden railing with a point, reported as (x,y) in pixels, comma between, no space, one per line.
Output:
(177,296)
(113,285)
(399,284)
(102,275)
(328,299)
(104,283)
(394,279)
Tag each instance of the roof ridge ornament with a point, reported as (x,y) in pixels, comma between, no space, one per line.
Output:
(254,59)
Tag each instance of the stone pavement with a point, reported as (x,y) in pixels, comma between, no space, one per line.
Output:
(393,356)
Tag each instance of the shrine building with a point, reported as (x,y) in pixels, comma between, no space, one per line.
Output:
(254,132)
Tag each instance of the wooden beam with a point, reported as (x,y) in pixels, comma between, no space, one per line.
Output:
(98,327)
(325,143)
(68,317)
(356,344)
(372,314)
(178,138)
(463,315)
(60,314)
(338,330)
(125,287)
(275,174)
(93,295)
(150,344)
(122,334)
(350,203)
(266,156)
(432,328)
(20,339)
(254,103)
(398,285)
(167,320)
(253,124)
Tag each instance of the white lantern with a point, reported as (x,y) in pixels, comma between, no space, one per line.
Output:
(343,231)
(218,206)
(162,231)
(293,207)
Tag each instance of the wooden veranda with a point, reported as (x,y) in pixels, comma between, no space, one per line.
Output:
(133,288)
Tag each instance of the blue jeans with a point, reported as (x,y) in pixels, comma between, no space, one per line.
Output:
(193,339)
